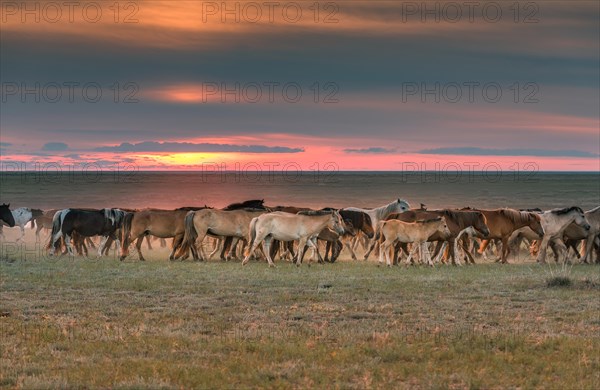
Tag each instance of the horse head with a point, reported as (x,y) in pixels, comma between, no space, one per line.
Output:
(6,215)
(535,224)
(402,205)
(580,219)
(336,223)
(481,224)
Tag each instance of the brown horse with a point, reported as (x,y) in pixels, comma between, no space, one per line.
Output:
(155,222)
(43,221)
(503,222)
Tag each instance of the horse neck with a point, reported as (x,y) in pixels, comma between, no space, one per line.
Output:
(322,223)
(431,227)
(384,211)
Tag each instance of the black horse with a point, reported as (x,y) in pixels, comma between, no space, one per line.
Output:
(6,215)
(85,223)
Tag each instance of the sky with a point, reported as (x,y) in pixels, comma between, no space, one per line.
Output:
(346,85)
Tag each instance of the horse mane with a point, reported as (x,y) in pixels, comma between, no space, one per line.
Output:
(250,209)
(534,210)
(328,209)
(566,210)
(253,204)
(187,208)
(517,216)
(430,220)
(314,213)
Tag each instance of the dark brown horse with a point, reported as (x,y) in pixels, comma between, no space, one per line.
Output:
(85,223)
(359,221)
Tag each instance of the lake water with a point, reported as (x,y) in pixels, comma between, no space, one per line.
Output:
(337,189)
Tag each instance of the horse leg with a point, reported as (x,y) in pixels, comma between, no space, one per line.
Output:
(177,241)
(541,257)
(588,246)
(102,244)
(425,254)
(301,248)
(267,248)
(413,249)
(216,248)
(138,247)
(371,248)
(231,244)
(68,245)
(258,239)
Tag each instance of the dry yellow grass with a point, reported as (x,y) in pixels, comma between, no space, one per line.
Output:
(159,324)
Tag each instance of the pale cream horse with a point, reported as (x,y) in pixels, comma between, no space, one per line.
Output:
(417,233)
(303,227)
(220,223)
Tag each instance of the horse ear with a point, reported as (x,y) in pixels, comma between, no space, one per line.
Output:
(398,200)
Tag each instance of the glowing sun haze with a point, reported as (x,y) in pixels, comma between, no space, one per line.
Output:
(357,85)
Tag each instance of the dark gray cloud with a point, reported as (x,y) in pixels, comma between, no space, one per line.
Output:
(374,150)
(55,147)
(189,147)
(4,144)
(472,151)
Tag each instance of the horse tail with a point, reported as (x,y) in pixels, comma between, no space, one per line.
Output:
(56,233)
(251,235)
(190,234)
(126,229)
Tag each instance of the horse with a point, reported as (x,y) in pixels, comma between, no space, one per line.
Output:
(457,221)
(284,226)
(21,216)
(418,233)
(43,221)
(199,224)
(225,244)
(503,222)
(86,223)
(574,233)
(248,204)
(555,222)
(6,215)
(380,213)
(155,222)
(360,222)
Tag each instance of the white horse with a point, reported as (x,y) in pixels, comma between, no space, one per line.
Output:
(22,216)
(554,222)
(575,233)
(303,227)
(381,213)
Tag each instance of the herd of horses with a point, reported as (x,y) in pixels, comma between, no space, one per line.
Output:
(251,229)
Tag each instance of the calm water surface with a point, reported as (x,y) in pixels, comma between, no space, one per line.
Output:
(340,189)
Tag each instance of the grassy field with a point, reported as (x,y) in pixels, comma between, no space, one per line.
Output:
(159,324)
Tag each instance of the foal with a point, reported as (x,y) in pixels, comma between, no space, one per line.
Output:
(417,232)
